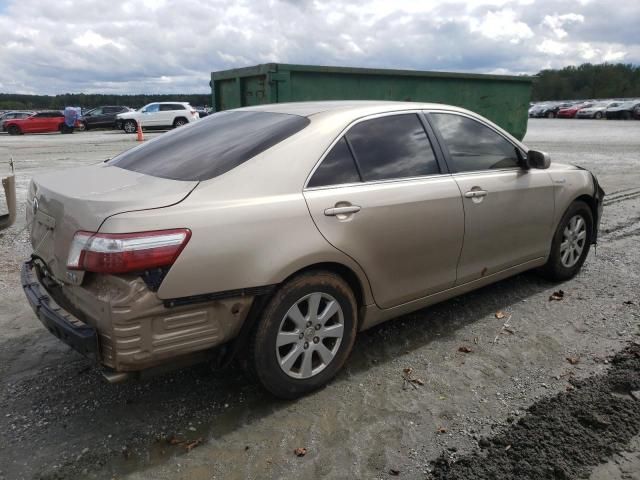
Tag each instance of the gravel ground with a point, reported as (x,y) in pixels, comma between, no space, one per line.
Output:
(59,419)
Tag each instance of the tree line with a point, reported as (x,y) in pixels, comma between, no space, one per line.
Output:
(605,80)
(11,101)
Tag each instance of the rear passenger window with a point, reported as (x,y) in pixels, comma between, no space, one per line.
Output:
(474,146)
(394,146)
(337,167)
(171,106)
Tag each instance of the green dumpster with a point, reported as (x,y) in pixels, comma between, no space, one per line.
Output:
(502,99)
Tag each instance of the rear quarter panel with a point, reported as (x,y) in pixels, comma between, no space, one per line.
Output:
(250,226)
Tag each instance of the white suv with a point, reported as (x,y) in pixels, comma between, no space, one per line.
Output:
(157,115)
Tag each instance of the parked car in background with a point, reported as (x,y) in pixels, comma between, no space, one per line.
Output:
(41,122)
(13,115)
(157,115)
(597,110)
(551,110)
(636,112)
(202,111)
(212,236)
(570,112)
(622,111)
(102,117)
(535,109)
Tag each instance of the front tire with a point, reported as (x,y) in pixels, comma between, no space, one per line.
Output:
(14,130)
(130,126)
(305,335)
(550,115)
(598,115)
(571,243)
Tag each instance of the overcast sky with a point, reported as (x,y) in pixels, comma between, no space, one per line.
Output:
(154,46)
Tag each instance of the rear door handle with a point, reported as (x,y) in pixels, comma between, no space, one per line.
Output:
(346,210)
(476,193)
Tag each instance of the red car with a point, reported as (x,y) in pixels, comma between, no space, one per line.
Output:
(570,112)
(41,122)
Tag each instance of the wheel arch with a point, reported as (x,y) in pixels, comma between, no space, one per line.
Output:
(344,272)
(13,125)
(593,206)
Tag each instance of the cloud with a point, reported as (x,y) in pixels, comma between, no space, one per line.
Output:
(556,22)
(168,46)
(501,25)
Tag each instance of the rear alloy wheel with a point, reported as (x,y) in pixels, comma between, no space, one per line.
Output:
(571,243)
(550,115)
(598,115)
(305,334)
(179,122)
(130,126)
(14,130)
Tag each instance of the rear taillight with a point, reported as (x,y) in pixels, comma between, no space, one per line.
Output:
(126,252)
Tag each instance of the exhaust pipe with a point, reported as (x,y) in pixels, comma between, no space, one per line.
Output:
(117,377)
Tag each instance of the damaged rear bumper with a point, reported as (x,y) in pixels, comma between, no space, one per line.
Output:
(75,333)
(126,328)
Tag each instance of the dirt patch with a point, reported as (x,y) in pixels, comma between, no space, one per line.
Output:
(561,437)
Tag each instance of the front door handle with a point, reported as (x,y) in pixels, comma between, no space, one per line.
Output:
(346,210)
(476,193)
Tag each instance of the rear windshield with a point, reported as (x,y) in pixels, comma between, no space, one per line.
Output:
(211,146)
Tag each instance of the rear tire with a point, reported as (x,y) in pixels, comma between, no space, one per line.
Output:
(305,334)
(14,130)
(571,243)
(179,122)
(550,115)
(598,115)
(130,126)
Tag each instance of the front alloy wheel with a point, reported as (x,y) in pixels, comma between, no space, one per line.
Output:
(130,126)
(574,238)
(305,334)
(571,243)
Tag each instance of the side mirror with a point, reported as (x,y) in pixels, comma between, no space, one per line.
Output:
(536,159)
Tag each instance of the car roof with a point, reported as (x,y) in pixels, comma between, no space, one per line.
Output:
(355,107)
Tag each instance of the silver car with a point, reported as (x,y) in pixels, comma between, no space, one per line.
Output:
(273,234)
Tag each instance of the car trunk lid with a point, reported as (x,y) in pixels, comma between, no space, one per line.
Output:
(62,203)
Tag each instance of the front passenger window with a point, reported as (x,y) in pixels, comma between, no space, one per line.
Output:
(474,146)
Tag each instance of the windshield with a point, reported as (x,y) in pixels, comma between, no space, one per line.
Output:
(211,146)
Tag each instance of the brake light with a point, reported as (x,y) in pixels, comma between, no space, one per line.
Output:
(126,252)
